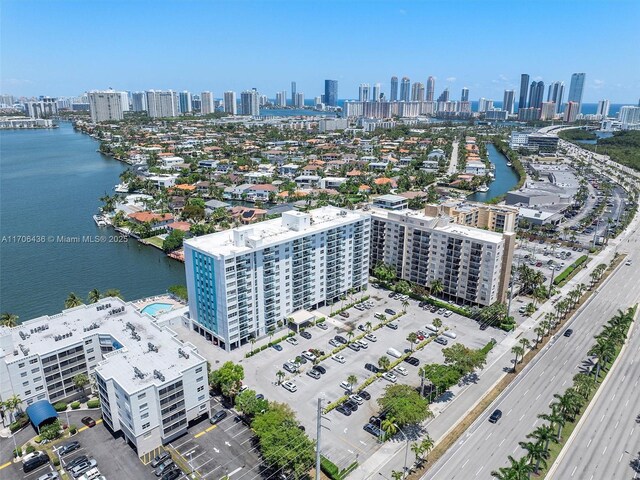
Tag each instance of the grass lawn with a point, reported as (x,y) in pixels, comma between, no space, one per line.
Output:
(155,241)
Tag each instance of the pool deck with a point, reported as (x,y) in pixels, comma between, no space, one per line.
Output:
(142,303)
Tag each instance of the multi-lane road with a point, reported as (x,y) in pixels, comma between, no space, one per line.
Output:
(485,446)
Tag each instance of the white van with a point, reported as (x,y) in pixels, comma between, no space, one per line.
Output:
(393,352)
(450,334)
(431,327)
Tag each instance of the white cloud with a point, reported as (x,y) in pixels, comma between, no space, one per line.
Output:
(503,78)
(597,84)
(451,79)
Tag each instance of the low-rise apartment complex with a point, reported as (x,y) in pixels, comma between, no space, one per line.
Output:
(149,382)
(245,281)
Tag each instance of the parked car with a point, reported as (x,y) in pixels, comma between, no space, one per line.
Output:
(290,367)
(88,421)
(371,367)
(68,448)
(344,314)
(309,356)
(495,416)
(393,352)
(401,370)
(450,334)
(447,314)
(354,346)
(346,385)
(290,386)
(159,459)
(314,374)
(76,461)
(364,394)
(371,337)
(339,358)
(362,328)
(292,340)
(353,406)
(356,398)
(340,339)
(322,325)
(172,474)
(164,467)
(442,310)
(34,463)
(441,340)
(84,466)
(320,369)
(277,347)
(218,416)
(346,411)
(412,361)
(392,326)
(373,430)
(334,343)
(49,476)
(362,344)
(390,377)
(390,311)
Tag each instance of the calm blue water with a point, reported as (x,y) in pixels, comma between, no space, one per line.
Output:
(154,308)
(599,135)
(50,185)
(505,177)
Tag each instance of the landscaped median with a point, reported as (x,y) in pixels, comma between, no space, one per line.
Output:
(568,272)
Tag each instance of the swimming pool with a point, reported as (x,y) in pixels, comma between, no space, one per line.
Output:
(154,309)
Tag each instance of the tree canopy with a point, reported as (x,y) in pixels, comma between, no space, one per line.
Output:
(404,404)
(227,378)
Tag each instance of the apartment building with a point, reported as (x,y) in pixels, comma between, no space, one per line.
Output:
(245,280)
(473,265)
(150,384)
(496,218)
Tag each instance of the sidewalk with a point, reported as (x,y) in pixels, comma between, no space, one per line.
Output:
(464,398)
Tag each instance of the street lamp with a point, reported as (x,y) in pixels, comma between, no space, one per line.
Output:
(191,462)
(406,451)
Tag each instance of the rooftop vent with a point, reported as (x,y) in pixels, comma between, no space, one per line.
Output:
(152,347)
(182,353)
(158,374)
(138,373)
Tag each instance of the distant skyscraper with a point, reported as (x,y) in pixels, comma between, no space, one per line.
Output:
(393,95)
(294,90)
(508,101)
(206,105)
(571,111)
(230,103)
(250,101)
(444,96)
(363,92)
(405,89)
(162,104)
(524,85)
(376,92)
(556,92)
(576,89)
(139,101)
(417,92)
(548,111)
(281,98)
(603,108)
(105,106)
(629,115)
(431,88)
(464,96)
(184,102)
(331,93)
(536,94)
(299,103)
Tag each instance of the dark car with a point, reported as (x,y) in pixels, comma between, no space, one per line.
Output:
(164,467)
(364,394)
(353,406)
(172,474)
(412,361)
(495,416)
(392,294)
(362,328)
(306,335)
(390,311)
(377,419)
(373,430)
(568,332)
(76,461)
(260,396)
(346,411)
(68,448)
(484,326)
(34,463)
(320,368)
(216,417)
(277,347)
(88,421)
(371,367)
(354,346)
(340,339)
(159,459)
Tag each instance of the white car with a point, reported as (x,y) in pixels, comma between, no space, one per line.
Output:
(357,398)
(390,377)
(339,358)
(371,337)
(346,386)
(49,476)
(401,370)
(309,356)
(322,325)
(362,344)
(292,341)
(290,386)
(447,314)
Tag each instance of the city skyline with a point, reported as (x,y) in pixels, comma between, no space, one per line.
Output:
(135,58)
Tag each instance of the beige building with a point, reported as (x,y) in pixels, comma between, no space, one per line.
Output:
(496,218)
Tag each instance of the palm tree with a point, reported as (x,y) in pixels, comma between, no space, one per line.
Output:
(537,453)
(405,305)
(94,296)
(584,384)
(13,405)
(384,362)
(350,335)
(602,350)
(271,331)
(352,380)
(72,301)
(504,473)
(9,319)
(517,350)
(397,475)
(280,375)
(368,326)
(436,287)
(555,418)
(427,445)
(526,343)
(389,427)
(522,467)
(543,434)
(539,331)
(112,292)
(412,338)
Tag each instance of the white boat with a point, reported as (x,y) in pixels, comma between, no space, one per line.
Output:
(483,188)
(121,188)
(509,164)
(100,221)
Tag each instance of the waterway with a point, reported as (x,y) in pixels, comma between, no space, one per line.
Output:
(505,177)
(50,185)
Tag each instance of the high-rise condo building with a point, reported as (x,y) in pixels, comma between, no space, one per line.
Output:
(629,116)
(331,93)
(161,104)
(299,103)
(508,101)
(417,92)
(571,111)
(464,96)
(431,88)
(230,102)
(555,94)
(548,111)
(603,109)
(393,94)
(206,105)
(444,96)
(184,100)
(376,92)
(363,92)
(250,102)
(496,218)
(536,94)
(576,89)
(281,99)
(524,86)
(473,265)
(139,101)
(405,89)
(244,281)
(105,105)
(44,108)
(294,90)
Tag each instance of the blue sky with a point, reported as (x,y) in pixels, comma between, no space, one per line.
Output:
(61,48)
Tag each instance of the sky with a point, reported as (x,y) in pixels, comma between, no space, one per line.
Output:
(64,48)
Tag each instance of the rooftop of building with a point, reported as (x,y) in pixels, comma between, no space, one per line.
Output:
(146,346)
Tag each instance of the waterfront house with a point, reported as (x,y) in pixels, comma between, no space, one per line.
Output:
(261,192)
(246,215)
(156,220)
(307,181)
(184,227)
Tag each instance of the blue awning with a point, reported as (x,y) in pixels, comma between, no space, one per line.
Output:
(41,412)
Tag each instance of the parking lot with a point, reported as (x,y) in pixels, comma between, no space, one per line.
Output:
(223,449)
(344,439)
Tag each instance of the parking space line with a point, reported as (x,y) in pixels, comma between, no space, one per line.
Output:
(210,428)
(197,435)
(5,465)
(178,446)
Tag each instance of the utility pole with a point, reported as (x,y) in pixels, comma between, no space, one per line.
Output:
(553,273)
(318,432)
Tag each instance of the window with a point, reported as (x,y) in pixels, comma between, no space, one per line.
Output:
(141,396)
(90,350)
(21,365)
(201,398)
(200,388)
(144,415)
(24,384)
(23,374)
(39,387)
(198,370)
(146,425)
(35,370)
(199,379)
(33,360)
(143,406)
(27,392)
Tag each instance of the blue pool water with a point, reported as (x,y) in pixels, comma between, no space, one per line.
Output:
(155,308)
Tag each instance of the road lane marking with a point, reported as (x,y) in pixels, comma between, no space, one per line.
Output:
(210,428)
(574,470)
(539,395)
(590,440)
(605,449)
(5,465)
(620,459)
(563,383)
(197,435)
(467,461)
(489,436)
(502,442)
(521,417)
(515,449)
(617,423)
(478,472)
(614,396)
(602,417)
(509,411)
(235,471)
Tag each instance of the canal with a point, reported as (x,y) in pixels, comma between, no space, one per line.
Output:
(505,179)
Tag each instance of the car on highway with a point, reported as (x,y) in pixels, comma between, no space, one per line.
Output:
(88,421)
(277,347)
(339,358)
(495,416)
(320,369)
(290,386)
(159,459)
(390,377)
(346,411)
(568,332)
(371,337)
(628,263)
(292,340)
(68,448)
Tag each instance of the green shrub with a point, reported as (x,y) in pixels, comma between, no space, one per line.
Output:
(38,439)
(56,461)
(60,406)
(332,471)
(17,452)
(73,429)
(582,259)
(30,448)
(20,422)
(94,403)
(75,405)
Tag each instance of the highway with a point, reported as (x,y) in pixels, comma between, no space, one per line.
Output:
(485,446)
(608,438)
